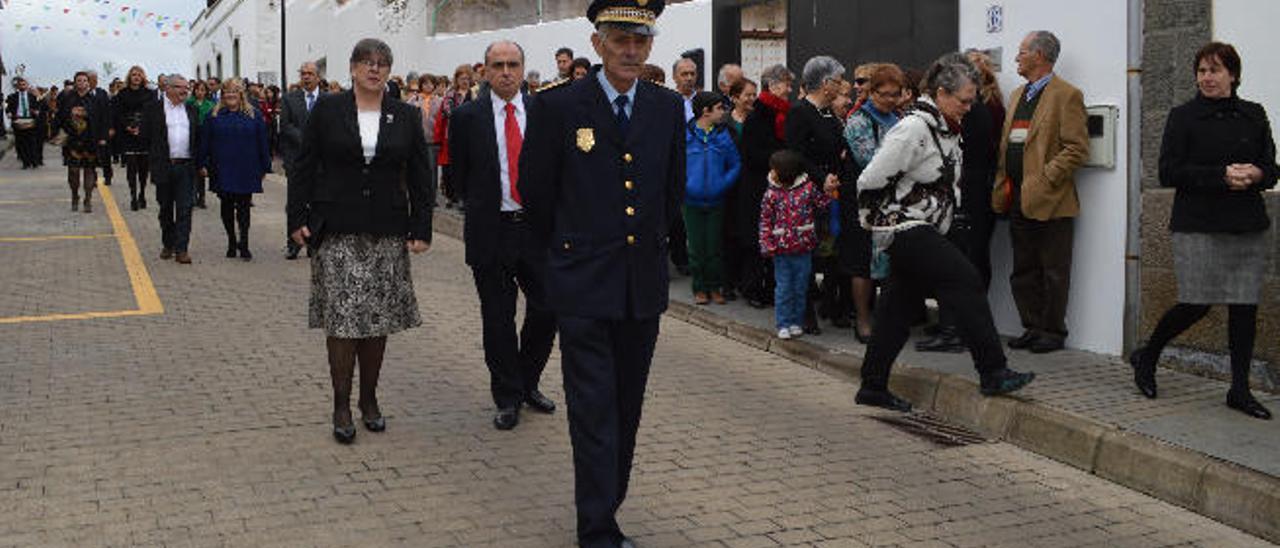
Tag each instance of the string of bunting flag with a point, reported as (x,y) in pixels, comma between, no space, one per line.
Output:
(100,18)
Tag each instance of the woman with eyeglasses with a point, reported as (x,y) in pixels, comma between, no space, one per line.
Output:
(361,195)
(907,198)
(864,134)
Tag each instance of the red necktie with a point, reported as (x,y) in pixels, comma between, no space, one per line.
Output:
(514,141)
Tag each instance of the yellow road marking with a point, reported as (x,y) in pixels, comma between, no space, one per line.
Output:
(23,202)
(52,238)
(144,291)
(74,316)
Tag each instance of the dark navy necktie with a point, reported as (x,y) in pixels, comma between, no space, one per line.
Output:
(624,121)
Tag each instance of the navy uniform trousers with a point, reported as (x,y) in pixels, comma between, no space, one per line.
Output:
(606,368)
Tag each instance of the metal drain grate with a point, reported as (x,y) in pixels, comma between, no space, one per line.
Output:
(933,429)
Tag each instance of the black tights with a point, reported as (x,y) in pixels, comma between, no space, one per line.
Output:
(235,211)
(1242,328)
(343,356)
(136,170)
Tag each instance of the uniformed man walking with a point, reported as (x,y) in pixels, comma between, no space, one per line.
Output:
(602,174)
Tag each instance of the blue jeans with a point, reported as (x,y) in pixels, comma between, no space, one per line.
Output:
(791,279)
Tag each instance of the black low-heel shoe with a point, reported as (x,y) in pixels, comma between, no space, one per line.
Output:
(346,435)
(1144,376)
(1245,403)
(376,424)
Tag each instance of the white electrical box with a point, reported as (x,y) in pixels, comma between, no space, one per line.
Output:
(1102,121)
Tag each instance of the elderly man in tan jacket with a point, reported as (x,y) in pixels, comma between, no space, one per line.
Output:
(1044,140)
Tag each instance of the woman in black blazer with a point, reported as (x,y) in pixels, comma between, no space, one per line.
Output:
(1219,155)
(361,195)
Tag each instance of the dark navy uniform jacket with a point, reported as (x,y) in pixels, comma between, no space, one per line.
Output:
(604,202)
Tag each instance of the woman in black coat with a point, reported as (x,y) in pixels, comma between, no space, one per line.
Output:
(126,123)
(815,132)
(361,193)
(762,135)
(1219,154)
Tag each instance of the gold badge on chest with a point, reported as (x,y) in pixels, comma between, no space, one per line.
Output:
(586,139)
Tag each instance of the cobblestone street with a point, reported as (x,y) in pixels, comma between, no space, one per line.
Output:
(208,424)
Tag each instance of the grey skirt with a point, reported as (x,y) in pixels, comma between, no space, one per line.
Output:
(361,287)
(1219,268)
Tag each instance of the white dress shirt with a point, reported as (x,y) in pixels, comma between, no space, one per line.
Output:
(175,117)
(500,129)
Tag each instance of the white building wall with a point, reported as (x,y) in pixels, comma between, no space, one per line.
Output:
(1094,41)
(316,32)
(682,27)
(216,32)
(1249,25)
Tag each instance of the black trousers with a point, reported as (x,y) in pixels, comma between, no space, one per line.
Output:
(606,367)
(921,262)
(175,195)
(28,146)
(1041,278)
(515,361)
(752,275)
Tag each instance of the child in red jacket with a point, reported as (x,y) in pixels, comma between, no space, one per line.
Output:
(788,234)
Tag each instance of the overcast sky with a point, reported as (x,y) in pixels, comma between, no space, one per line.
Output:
(60,46)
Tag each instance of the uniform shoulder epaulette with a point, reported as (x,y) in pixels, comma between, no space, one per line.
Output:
(554,85)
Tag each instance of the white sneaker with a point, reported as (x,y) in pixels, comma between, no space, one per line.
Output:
(796,330)
(784,333)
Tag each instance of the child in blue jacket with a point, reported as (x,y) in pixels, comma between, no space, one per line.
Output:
(712,168)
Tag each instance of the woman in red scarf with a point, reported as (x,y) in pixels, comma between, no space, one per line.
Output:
(762,135)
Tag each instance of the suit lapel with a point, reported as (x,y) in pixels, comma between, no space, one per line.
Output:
(488,134)
(601,112)
(1042,109)
(385,120)
(350,124)
(642,114)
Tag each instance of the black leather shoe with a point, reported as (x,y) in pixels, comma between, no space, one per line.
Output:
(345,434)
(231,251)
(538,401)
(1144,374)
(507,418)
(627,543)
(375,424)
(1045,345)
(946,341)
(1005,381)
(245,254)
(1023,341)
(756,303)
(1245,403)
(292,253)
(881,398)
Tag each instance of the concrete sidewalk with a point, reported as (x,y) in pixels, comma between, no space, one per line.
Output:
(1186,447)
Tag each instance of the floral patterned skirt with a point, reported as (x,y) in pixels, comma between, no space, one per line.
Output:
(361,287)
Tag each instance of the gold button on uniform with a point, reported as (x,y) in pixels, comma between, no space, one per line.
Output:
(631,211)
(631,240)
(629,185)
(626,157)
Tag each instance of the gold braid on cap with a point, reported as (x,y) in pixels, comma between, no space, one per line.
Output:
(634,16)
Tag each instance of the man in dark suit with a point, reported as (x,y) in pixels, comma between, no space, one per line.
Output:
(25,112)
(295,110)
(170,127)
(103,101)
(486,136)
(602,175)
